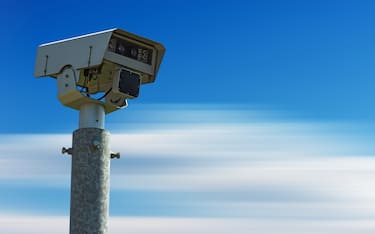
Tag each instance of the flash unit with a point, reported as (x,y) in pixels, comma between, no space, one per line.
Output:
(127,83)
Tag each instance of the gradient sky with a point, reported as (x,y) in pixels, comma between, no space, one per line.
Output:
(261,118)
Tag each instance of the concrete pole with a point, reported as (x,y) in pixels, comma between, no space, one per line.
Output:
(89,199)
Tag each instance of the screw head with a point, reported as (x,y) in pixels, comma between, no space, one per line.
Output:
(96,144)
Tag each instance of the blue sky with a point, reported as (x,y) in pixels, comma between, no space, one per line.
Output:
(260,118)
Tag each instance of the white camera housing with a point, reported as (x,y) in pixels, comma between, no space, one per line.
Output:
(94,62)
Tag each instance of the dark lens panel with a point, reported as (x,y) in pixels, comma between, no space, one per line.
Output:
(129,83)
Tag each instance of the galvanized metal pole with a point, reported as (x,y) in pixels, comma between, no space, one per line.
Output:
(89,200)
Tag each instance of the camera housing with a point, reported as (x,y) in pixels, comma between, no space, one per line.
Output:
(112,64)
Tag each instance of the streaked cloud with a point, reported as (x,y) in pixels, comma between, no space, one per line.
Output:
(120,225)
(251,168)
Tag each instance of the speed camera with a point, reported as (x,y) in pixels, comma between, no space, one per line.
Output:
(106,67)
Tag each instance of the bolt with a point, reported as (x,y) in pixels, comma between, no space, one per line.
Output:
(96,144)
(115,155)
(67,151)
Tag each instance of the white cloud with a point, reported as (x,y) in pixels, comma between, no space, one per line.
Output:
(120,225)
(301,169)
(33,156)
(271,140)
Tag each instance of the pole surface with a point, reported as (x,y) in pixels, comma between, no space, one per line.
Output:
(91,115)
(89,198)
(89,201)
